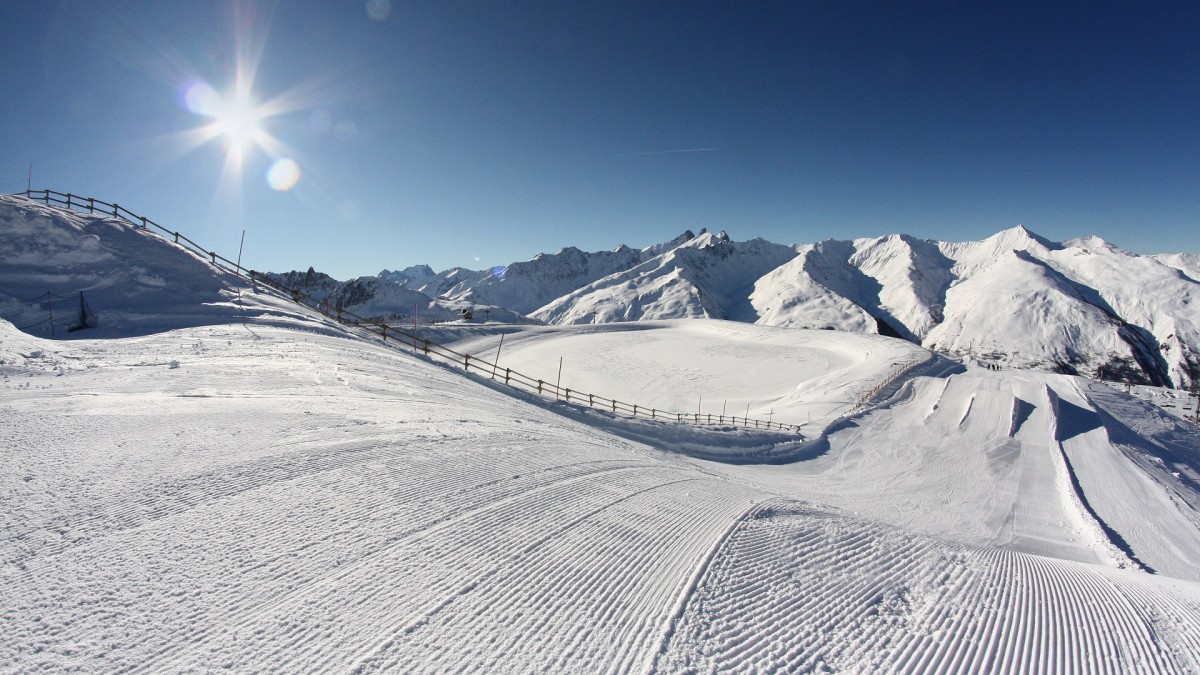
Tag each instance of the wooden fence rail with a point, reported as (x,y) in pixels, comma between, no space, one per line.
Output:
(401,338)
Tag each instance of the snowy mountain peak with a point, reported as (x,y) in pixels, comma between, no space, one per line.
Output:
(1021,238)
(656,249)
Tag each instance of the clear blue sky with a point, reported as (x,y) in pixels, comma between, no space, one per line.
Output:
(481,133)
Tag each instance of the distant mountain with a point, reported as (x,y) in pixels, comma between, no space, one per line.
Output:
(390,295)
(1014,299)
(1187,263)
(704,276)
(417,278)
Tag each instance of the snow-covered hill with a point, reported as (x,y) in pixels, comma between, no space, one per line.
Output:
(131,281)
(265,490)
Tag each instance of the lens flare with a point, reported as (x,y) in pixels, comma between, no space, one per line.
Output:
(283,175)
(201,99)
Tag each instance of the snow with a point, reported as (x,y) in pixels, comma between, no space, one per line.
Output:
(793,376)
(265,490)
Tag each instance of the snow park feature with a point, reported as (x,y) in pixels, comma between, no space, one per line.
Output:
(216,477)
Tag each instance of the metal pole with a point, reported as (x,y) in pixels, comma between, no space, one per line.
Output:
(497,359)
(559,382)
(240,245)
(239,260)
(698,406)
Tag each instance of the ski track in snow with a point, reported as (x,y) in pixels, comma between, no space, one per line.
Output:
(871,599)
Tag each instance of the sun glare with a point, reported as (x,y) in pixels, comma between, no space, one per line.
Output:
(235,118)
(238,122)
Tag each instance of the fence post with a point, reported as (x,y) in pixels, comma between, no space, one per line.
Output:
(614,405)
(383,326)
(467,362)
(652,413)
(115,208)
(635,410)
(214,256)
(568,396)
(591,400)
(68,200)
(91,205)
(507,372)
(539,386)
(143,222)
(176,237)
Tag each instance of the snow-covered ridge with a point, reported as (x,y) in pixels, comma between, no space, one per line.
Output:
(1017,299)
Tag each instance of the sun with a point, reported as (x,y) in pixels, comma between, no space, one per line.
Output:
(234,115)
(238,122)
(235,118)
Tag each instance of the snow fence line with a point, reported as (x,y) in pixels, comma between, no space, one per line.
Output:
(401,337)
(905,367)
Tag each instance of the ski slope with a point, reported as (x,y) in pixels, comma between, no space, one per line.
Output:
(269,491)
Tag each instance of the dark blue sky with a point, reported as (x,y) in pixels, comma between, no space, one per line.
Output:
(477,134)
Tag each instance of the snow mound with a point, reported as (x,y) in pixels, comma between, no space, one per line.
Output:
(131,281)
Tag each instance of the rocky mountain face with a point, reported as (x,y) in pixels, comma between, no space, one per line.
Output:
(1014,299)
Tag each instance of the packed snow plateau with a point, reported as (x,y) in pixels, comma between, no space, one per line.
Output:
(260,488)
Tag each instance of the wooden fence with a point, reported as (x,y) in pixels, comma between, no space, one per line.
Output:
(904,368)
(401,338)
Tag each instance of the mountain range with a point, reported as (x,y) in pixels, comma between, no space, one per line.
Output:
(1015,299)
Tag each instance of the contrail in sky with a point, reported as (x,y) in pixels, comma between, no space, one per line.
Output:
(601,157)
(667,152)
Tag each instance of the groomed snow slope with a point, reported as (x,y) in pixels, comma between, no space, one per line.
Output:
(270,492)
(1037,462)
(293,500)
